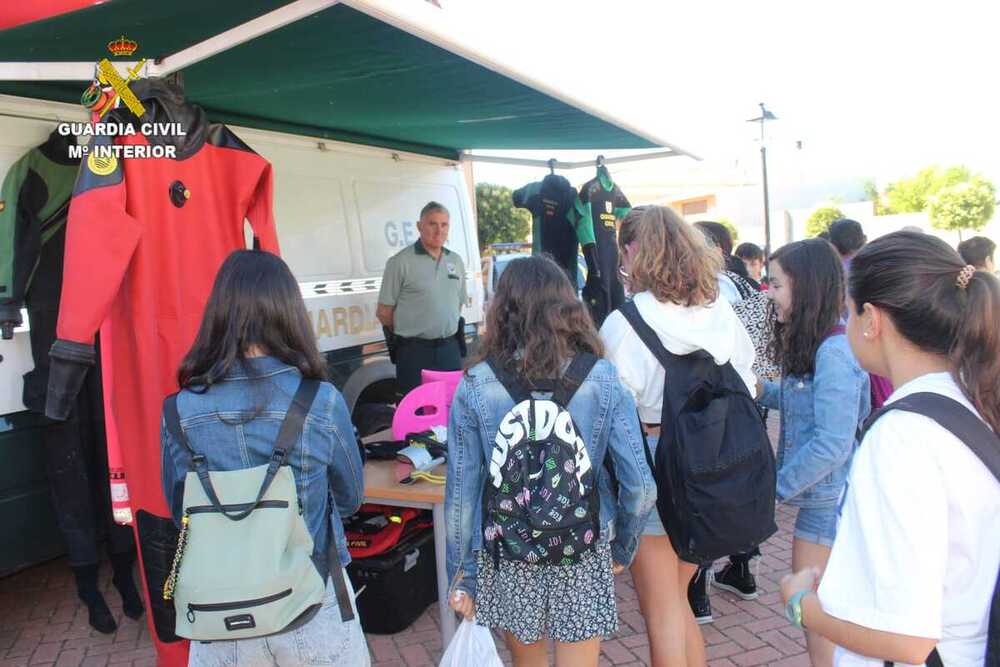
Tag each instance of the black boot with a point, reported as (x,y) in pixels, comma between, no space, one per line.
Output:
(701,606)
(97,609)
(737,578)
(122,579)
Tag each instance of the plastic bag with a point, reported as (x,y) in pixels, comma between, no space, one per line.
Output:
(472,646)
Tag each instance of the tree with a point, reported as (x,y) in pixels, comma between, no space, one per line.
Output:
(967,205)
(733,231)
(499,221)
(821,219)
(910,195)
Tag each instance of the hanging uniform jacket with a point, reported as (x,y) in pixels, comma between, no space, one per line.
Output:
(600,204)
(33,206)
(35,201)
(553,231)
(36,195)
(144,242)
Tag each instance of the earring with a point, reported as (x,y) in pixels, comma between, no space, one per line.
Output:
(867,334)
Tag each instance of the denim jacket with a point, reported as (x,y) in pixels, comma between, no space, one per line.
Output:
(325,461)
(820,418)
(606,419)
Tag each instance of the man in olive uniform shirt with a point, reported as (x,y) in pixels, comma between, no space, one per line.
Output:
(420,303)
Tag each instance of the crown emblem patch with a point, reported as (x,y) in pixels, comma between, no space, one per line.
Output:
(123,46)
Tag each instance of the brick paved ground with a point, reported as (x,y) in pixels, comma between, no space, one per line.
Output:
(43,623)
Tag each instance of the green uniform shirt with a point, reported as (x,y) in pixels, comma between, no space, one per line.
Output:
(33,202)
(428,294)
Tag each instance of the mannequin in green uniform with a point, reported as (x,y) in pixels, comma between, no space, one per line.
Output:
(34,202)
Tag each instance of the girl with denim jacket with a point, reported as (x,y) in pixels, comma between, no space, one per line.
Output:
(254,347)
(823,396)
(673,272)
(535,327)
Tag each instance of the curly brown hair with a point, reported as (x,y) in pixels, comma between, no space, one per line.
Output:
(673,260)
(630,226)
(536,323)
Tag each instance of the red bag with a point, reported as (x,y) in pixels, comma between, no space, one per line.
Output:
(377,528)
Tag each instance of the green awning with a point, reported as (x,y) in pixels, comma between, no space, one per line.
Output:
(338,74)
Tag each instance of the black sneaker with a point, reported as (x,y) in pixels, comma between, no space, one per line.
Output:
(737,579)
(701,606)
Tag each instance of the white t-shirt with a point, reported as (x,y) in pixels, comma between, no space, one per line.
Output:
(918,546)
(682,330)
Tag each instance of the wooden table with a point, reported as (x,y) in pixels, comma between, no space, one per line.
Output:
(381,487)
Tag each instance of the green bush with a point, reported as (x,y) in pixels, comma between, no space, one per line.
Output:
(821,219)
(499,221)
(967,205)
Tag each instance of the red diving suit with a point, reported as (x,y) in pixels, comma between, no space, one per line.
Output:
(145,239)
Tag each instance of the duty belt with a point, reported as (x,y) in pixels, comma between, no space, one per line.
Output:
(425,342)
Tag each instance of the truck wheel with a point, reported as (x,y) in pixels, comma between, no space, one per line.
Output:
(373,417)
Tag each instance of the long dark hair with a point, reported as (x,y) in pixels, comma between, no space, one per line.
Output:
(536,322)
(255,302)
(914,279)
(817,282)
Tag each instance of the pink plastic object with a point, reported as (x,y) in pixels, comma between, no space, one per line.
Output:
(432,398)
(450,378)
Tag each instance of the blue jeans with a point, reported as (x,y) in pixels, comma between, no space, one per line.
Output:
(818,526)
(654,525)
(325,640)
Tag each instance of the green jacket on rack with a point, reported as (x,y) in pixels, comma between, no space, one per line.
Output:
(34,202)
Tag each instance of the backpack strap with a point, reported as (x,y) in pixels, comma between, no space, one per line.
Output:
(647,335)
(574,376)
(953,417)
(335,569)
(962,423)
(288,434)
(933,660)
(513,384)
(173,423)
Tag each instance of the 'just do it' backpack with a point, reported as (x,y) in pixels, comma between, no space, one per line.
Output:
(540,502)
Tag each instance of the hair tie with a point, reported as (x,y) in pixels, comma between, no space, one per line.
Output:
(965,275)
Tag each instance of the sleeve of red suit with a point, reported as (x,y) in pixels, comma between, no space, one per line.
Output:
(260,213)
(100,239)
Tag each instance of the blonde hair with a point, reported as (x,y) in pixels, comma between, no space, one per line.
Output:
(673,260)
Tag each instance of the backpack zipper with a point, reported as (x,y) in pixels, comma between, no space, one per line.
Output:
(239,507)
(527,518)
(229,606)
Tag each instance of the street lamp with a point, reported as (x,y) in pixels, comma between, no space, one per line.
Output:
(765,116)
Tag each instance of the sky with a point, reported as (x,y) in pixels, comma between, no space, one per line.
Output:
(876,88)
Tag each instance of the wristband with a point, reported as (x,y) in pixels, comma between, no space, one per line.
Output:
(793,610)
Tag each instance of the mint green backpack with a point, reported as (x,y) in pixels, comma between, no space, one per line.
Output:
(243,566)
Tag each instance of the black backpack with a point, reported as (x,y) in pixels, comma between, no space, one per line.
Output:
(984,443)
(541,504)
(714,467)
